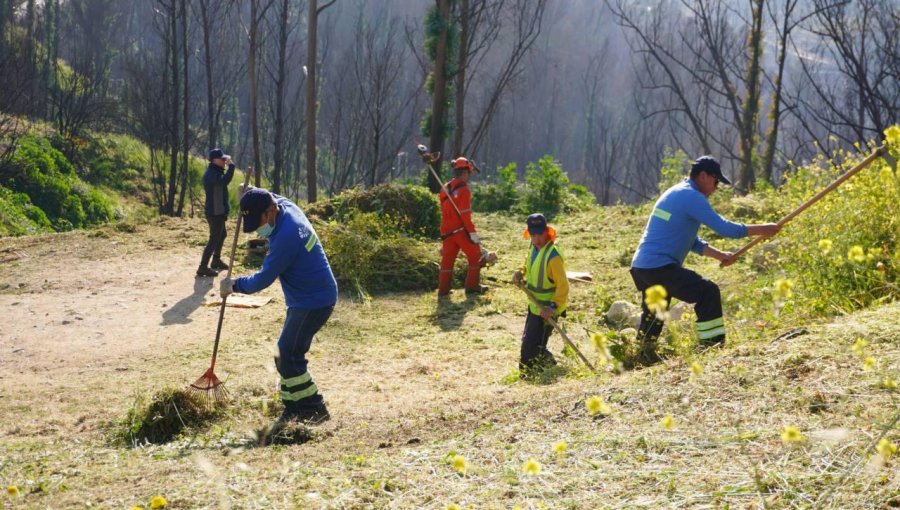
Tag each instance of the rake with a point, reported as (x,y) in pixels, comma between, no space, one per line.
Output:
(558,329)
(208,386)
(880,152)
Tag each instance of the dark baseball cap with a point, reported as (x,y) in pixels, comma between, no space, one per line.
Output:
(711,166)
(217,154)
(253,204)
(537,223)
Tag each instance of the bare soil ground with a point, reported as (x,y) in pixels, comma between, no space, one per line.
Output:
(95,319)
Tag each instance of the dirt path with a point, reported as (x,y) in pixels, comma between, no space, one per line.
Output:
(88,314)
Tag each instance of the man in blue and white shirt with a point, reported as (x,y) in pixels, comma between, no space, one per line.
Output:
(297,259)
(671,232)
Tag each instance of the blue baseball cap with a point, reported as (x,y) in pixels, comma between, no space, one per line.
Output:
(537,223)
(217,154)
(253,204)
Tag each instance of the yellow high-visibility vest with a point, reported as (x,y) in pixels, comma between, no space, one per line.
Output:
(537,278)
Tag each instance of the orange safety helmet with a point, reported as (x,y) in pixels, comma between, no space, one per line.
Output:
(462,163)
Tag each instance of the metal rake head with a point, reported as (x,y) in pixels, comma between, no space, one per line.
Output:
(210,388)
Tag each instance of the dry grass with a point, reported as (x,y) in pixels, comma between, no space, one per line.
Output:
(411,383)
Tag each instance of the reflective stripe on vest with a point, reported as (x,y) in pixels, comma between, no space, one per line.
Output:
(537,278)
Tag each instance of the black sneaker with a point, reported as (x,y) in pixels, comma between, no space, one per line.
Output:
(205,271)
(219,264)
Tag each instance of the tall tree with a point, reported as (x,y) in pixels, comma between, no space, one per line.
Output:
(750,106)
(312,56)
(256,16)
(439,45)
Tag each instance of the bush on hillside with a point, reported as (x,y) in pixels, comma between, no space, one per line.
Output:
(500,196)
(548,191)
(371,253)
(413,209)
(48,178)
(843,253)
(117,162)
(18,216)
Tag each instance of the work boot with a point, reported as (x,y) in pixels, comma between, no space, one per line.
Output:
(480,289)
(312,415)
(219,264)
(711,343)
(205,271)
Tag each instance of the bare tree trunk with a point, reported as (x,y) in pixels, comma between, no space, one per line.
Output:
(768,161)
(173,128)
(311,107)
(751,103)
(206,26)
(185,113)
(460,103)
(439,98)
(278,157)
(254,125)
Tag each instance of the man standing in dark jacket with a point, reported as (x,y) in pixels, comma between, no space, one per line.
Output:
(215,183)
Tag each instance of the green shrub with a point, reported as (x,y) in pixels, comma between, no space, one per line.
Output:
(546,187)
(45,175)
(841,254)
(675,167)
(414,209)
(116,161)
(18,216)
(501,196)
(370,253)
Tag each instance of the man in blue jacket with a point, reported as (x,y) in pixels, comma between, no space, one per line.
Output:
(297,259)
(215,183)
(671,232)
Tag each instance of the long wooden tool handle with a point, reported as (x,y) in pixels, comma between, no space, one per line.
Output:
(446,190)
(559,330)
(879,152)
(234,243)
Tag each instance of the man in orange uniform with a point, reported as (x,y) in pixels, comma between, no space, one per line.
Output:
(457,230)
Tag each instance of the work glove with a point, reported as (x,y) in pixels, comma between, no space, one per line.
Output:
(473,236)
(225,287)
(517,278)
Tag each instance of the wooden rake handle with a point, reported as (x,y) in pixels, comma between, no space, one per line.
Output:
(879,152)
(558,329)
(234,243)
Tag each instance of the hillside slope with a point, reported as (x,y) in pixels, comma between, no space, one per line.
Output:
(98,318)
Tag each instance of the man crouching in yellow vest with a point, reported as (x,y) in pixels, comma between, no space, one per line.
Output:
(544,275)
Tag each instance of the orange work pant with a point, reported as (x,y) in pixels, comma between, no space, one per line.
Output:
(450,249)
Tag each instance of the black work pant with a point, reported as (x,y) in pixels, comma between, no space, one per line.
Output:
(534,343)
(687,286)
(217,235)
(298,390)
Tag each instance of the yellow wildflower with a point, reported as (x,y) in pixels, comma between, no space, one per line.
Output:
(791,434)
(825,245)
(668,422)
(889,384)
(596,405)
(655,297)
(857,254)
(892,135)
(886,449)
(531,467)
(158,502)
(869,363)
(783,288)
(12,491)
(453,506)
(599,342)
(696,368)
(859,347)
(137,508)
(560,447)
(459,464)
